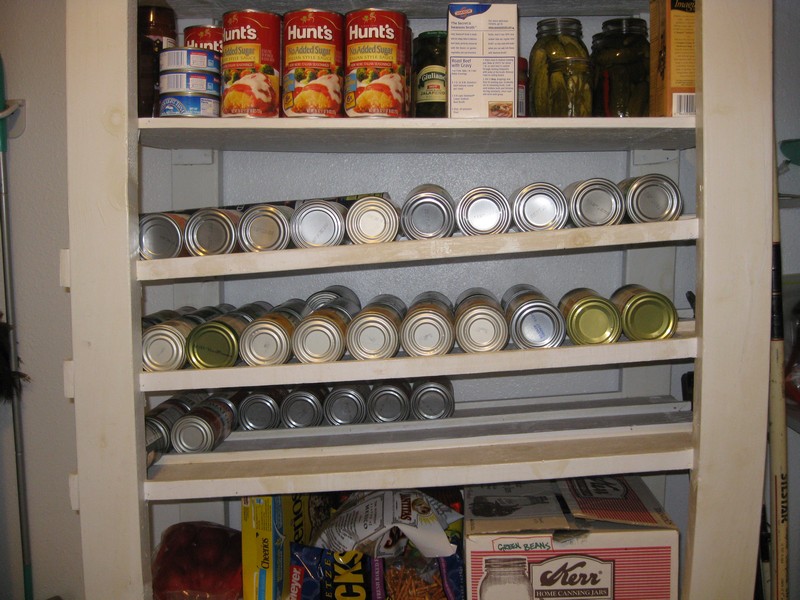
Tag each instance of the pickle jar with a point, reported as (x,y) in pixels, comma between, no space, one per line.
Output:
(430,74)
(555,38)
(621,69)
(570,87)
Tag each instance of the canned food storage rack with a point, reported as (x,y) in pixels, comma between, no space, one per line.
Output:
(722,445)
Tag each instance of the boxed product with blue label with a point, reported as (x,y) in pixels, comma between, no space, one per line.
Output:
(592,537)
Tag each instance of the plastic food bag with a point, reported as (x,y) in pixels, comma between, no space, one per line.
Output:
(197,560)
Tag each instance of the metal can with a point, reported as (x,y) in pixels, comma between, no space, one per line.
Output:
(480,324)
(313,63)
(321,297)
(372,219)
(212,231)
(268,339)
(533,320)
(208,424)
(646,315)
(428,212)
(321,336)
(253,310)
(261,409)
(215,343)
(389,401)
(375,331)
(161,235)
(203,36)
(432,399)
(251,63)
(164,344)
(539,206)
(376,62)
(154,318)
(590,318)
(650,198)
(595,202)
(186,104)
(428,328)
(430,74)
(158,421)
(189,82)
(206,313)
(346,404)
(482,211)
(265,227)
(302,407)
(318,223)
(194,59)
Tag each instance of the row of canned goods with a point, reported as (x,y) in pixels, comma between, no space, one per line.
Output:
(428,212)
(199,422)
(332,323)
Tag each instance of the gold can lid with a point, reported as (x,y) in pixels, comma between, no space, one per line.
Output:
(594,320)
(212,345)
(649,316)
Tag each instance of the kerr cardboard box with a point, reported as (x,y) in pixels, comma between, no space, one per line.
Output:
(594,537)
(482,50)
(672,58)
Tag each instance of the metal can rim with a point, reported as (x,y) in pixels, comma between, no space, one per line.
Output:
(265,326)
(443,325)
(319,324)
(173,339)
(372,320)
(469,318)
(263,211)
(553,192)
(496,198)
(576,193)
(612,331)
(375,204)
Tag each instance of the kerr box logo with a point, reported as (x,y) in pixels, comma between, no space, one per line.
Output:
(573,576)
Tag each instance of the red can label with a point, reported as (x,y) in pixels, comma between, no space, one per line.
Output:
(313,63)
(203,36)
(251,51)
(376,47)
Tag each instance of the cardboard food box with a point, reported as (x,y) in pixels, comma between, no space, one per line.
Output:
(482,55)
(672,58)
(595,537)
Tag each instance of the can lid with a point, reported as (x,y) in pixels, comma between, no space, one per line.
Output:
(595,202)
(432,400)
(427,333)
(388,403)
(482,211)
(318,223)
(652,197)
(540,207)
(192,434)
(427,215)
(159,237)
(594,320)
(649,316)
(537,324)
(210,231)
(318,339)
(345,406)
(259,411)
(163,349)
(265,227)
(372,219)
(301,408)
(371,336)
(212,345)
(481,329)
(265,342)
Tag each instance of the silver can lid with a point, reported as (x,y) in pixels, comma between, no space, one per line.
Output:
(595,202)
(265,342)
(163,348)
(322,297)
(651,198)
(160,236)
(482,211)
(318,340)
(259,410)
(265,227)
(372,219)
(318,223)
(346,405)
(539,207)
(428,213)
(427,333)
(192,433)
(389,402)
(211,231)
(481,328)
(432,400)
(372,335)
(537,324)
(301,408)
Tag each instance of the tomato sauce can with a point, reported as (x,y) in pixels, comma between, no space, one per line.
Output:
(251,63)
(313,63)
(203,36)
(376,61)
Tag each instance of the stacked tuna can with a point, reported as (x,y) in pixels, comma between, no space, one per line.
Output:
(189,82)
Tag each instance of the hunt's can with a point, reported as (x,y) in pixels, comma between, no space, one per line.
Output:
(158,421)
(161,235)
(265,227)
(251,63)
(318,223)
(215,343)
(377,56)
(389,401)
(188,104)
(432,399)
(208,424)
(595,202)
(346,404)
(189,82)
(533,320)
(539,206)
(428,212)
(375,331)
(302,407)
(261,409)
(651,198)
(194,59)
(212,231)
(428,328)
(313,63)
(321,297)
(267,340)
(479,321)
(482,211)
(590,318)
(321,336)
(646,315)
(372,219)
(203,36)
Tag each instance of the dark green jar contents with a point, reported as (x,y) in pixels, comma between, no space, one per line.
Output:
(570,87)
(430,74)
(621,65)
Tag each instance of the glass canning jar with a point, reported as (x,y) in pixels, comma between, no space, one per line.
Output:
(621,69)
(506,578)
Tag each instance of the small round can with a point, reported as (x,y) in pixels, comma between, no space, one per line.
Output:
(253,310)
(161,235)
(389,401)
(480,324)
(189,82)
(595,202)
(268,339)
(203,36)
(321,336)
(208,424)
(428,212)
(188,104)
(533,320)
(320,298)
(539,206)
(160,316)
(318,223)
(164,344)
(646,315)
(195,59)
(302,407)
(261,409)
(215,343)
(590,318)
(651,198)
(212,231)
(428,328)
(346,404)
(158,422)
(206,313)
(265,227)
(432,399)
(372,219)
(374,332)
(483,211)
